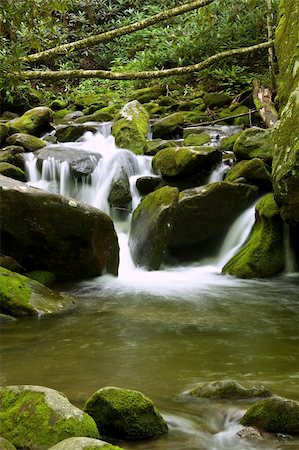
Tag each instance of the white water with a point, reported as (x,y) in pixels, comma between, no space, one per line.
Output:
(94,190)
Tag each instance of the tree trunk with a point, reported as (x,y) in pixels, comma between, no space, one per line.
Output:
(109,35)
(263,103)
(104,74)
(270,37)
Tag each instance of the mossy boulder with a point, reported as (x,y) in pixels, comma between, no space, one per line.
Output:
(58,104)
(11,171)
(105,114)
(86,100)
(180,162)
(263,254)
(36,417)
(255,171)
(254,143)
(42,276)
(46,231)
(155,145)
(170,126)
(275,415)
(244,119)
(145,95)
(197,139)
(151,227)
(228,389)
(84,443)
(227,143)
(35,121)
(21,296)
(130,127)
(6,445)
(70,133)
(3,133)
(28,142)
(206,212)
(125,414)
(216,100)
(12,154)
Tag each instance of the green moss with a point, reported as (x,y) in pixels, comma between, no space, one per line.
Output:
(125,414)
(145,95)
(33,121)
(169,126)
(63,112)
(255,171)
(105,114)
(28,142)
(9,170)
(42,276)
(84,443)
(254,143)
(70,133)
(58,104)
(227,144)
(214,99)
(276,415)
(197,139)
(5,444)
(3,133)
(263,254)
(37,418)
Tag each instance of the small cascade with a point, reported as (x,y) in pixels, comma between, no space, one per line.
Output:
(218,173)
(291,266)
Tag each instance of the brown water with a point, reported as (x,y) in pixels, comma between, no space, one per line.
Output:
(162,342)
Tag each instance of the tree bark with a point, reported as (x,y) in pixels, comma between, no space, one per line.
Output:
(263,103)
(270,37)
(104,74)
(109,35)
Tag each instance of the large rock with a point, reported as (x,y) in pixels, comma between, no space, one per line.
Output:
(151,227)
(21,296)
(228,389)
(181,162)
(170,126)
(35,121)
(70,133)
(125,414)
(255,171)
(215,99)
(275,414)
(254,143)
(145,95)
(46,231)
(206,212)
(9,170)
(13,155)
(28,142)
(83,443)
(130,127)
(36,417)
(263,254)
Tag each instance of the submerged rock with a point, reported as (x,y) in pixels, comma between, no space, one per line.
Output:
(254,143)
(35,121)
(263,254)
(84,443)
(130,127)
(275,414)
(46,231)
(151,227)
(228,389)
(36,417)
(125,414)
(250,433)
(22,296)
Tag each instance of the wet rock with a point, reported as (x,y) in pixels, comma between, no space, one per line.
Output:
(83,443)
(21,296)
(12,154)
(170,126)
(35,417)
(35,121)
(70,133)
(151,227)
(130,127)
(120,193)
(255,171)
(11,171)
(46,231)
(228,389)
(206,212)
(275,414)
(10,263)
(125,414)
(28,142)
(154,146)
(147,184)
(185,161)
(250,433)
(254,143)
(263,254)
(197,139)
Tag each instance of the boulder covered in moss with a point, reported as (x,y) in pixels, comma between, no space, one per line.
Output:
(254,143)
(70,133)
(46,231)
(255,171)
(155,145)
(36,417)
(11,171)
(105,114)
(28,142)
(151,227)
(147,94)
(125,414)
(3,133)
(12,154)
(227,143)
(181,162)
(22,296)
(35,121)
(170,126)
(216,100)
(197,139)
(130,127)
(84,443)
(206,212)
(228,389)
(42,276)
(263,254)
(275,415)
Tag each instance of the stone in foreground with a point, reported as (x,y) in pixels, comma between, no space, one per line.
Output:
(125,414)
(36,417)
(84,443)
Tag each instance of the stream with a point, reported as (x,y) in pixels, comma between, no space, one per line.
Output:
(161,332)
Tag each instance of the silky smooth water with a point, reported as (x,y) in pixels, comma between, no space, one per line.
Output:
(162,332)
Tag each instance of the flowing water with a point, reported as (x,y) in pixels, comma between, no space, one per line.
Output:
(161,332)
